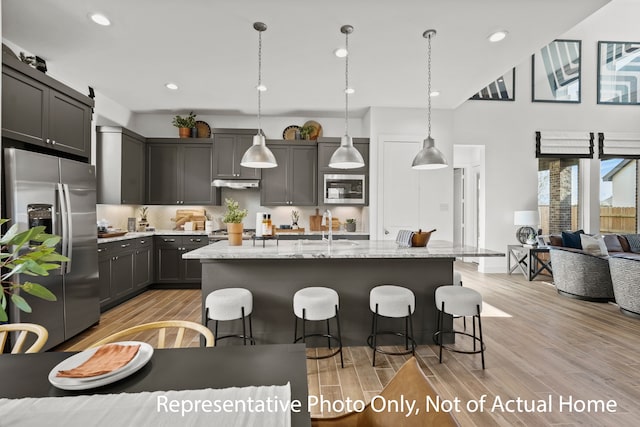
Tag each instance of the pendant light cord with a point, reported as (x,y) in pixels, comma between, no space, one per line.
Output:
(259,88)
(346,85)
(429,86)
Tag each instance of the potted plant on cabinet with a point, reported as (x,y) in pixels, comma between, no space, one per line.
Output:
(38,258)
(233,218)
(185,124)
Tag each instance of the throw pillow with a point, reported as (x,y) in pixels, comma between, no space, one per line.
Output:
(572,239)
(594,245)
(613,243)
(634,242)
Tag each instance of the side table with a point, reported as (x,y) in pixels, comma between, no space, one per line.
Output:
(529,259)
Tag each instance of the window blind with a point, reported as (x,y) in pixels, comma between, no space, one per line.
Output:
(564,144)
(624,145)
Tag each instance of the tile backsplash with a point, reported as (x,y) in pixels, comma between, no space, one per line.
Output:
(160,216)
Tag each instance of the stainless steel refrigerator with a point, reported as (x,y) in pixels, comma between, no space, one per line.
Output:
(61,195)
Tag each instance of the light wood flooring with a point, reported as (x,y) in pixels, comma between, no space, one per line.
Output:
(551,348)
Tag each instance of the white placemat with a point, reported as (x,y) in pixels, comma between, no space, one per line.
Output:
(263,406)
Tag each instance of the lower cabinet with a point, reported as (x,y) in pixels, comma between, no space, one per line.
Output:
(170,267)
(124,268)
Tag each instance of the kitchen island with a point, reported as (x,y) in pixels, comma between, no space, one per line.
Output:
(275,272)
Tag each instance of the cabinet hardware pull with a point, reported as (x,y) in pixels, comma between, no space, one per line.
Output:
(126,245)
(142,242)
(53,142)
(101,250)
(169,240)
(196,240)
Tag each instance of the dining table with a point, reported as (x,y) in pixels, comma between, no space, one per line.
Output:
(195,368)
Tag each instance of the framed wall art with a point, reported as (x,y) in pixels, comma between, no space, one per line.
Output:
(618,73)
(555,72)
(502,89)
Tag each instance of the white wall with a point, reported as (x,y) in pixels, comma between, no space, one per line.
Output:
(624,186)
(437,205)
(507,128)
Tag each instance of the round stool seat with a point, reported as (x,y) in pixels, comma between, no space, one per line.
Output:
(319,303)
(458,300)
(227,304)
(392,300)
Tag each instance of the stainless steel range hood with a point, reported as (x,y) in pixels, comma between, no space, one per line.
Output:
(236,184)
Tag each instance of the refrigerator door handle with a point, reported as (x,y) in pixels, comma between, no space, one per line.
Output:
(67,200)
(65,230)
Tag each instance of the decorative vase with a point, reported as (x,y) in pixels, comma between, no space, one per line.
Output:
(234,230)
(184,132)
(194,132)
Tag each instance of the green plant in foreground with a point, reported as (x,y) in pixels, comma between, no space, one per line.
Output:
(234,214)
(351,221)
(19,256)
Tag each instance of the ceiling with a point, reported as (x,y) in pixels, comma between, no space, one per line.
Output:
(209,48)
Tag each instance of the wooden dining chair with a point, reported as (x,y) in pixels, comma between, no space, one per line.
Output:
(161,327)
(23,330)
(411,384)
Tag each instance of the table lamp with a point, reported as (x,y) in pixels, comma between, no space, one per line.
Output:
(526,220)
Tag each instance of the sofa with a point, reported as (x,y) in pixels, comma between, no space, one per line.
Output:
(584,273)
(625,277)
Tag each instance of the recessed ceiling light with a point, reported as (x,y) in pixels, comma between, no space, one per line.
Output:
(100,19)
(434,93)
(261,88)
(349,91)
(497,36)
(172,86)
(340,52)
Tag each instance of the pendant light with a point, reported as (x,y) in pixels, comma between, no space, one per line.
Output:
(346,156)
(259,155)
(429,157)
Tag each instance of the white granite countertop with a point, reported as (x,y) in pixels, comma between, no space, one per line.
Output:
(310,249)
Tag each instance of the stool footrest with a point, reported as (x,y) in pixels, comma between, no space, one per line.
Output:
(337,340)
(244,337)
(411,350)
(436,339)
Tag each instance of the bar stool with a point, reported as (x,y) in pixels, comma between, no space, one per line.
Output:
(459,301)
(395,302)
(316,304)
(230,304)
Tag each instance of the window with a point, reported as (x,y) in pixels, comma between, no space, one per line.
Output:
(618,196)
(558,200)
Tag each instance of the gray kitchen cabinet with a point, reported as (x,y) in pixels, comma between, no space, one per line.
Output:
(143,262)
(295,180)
(36,109)
(327,146)
(120,157)
(125,268)
(229,145)
(180,173)
(170,267)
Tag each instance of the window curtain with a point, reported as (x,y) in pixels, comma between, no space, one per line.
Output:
(618,145)
(558,144)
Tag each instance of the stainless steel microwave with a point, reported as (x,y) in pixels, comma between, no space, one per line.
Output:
(344,189)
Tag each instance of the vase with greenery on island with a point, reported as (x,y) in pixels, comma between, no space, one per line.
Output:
(29,253)
(185,124)
(233,218)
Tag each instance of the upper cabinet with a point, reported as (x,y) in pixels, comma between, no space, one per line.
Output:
(120,166)
(294,180)
(327,146)
(229,145)
(36,109)
(180,171)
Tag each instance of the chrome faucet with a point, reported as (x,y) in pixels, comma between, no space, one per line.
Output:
(325,215)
